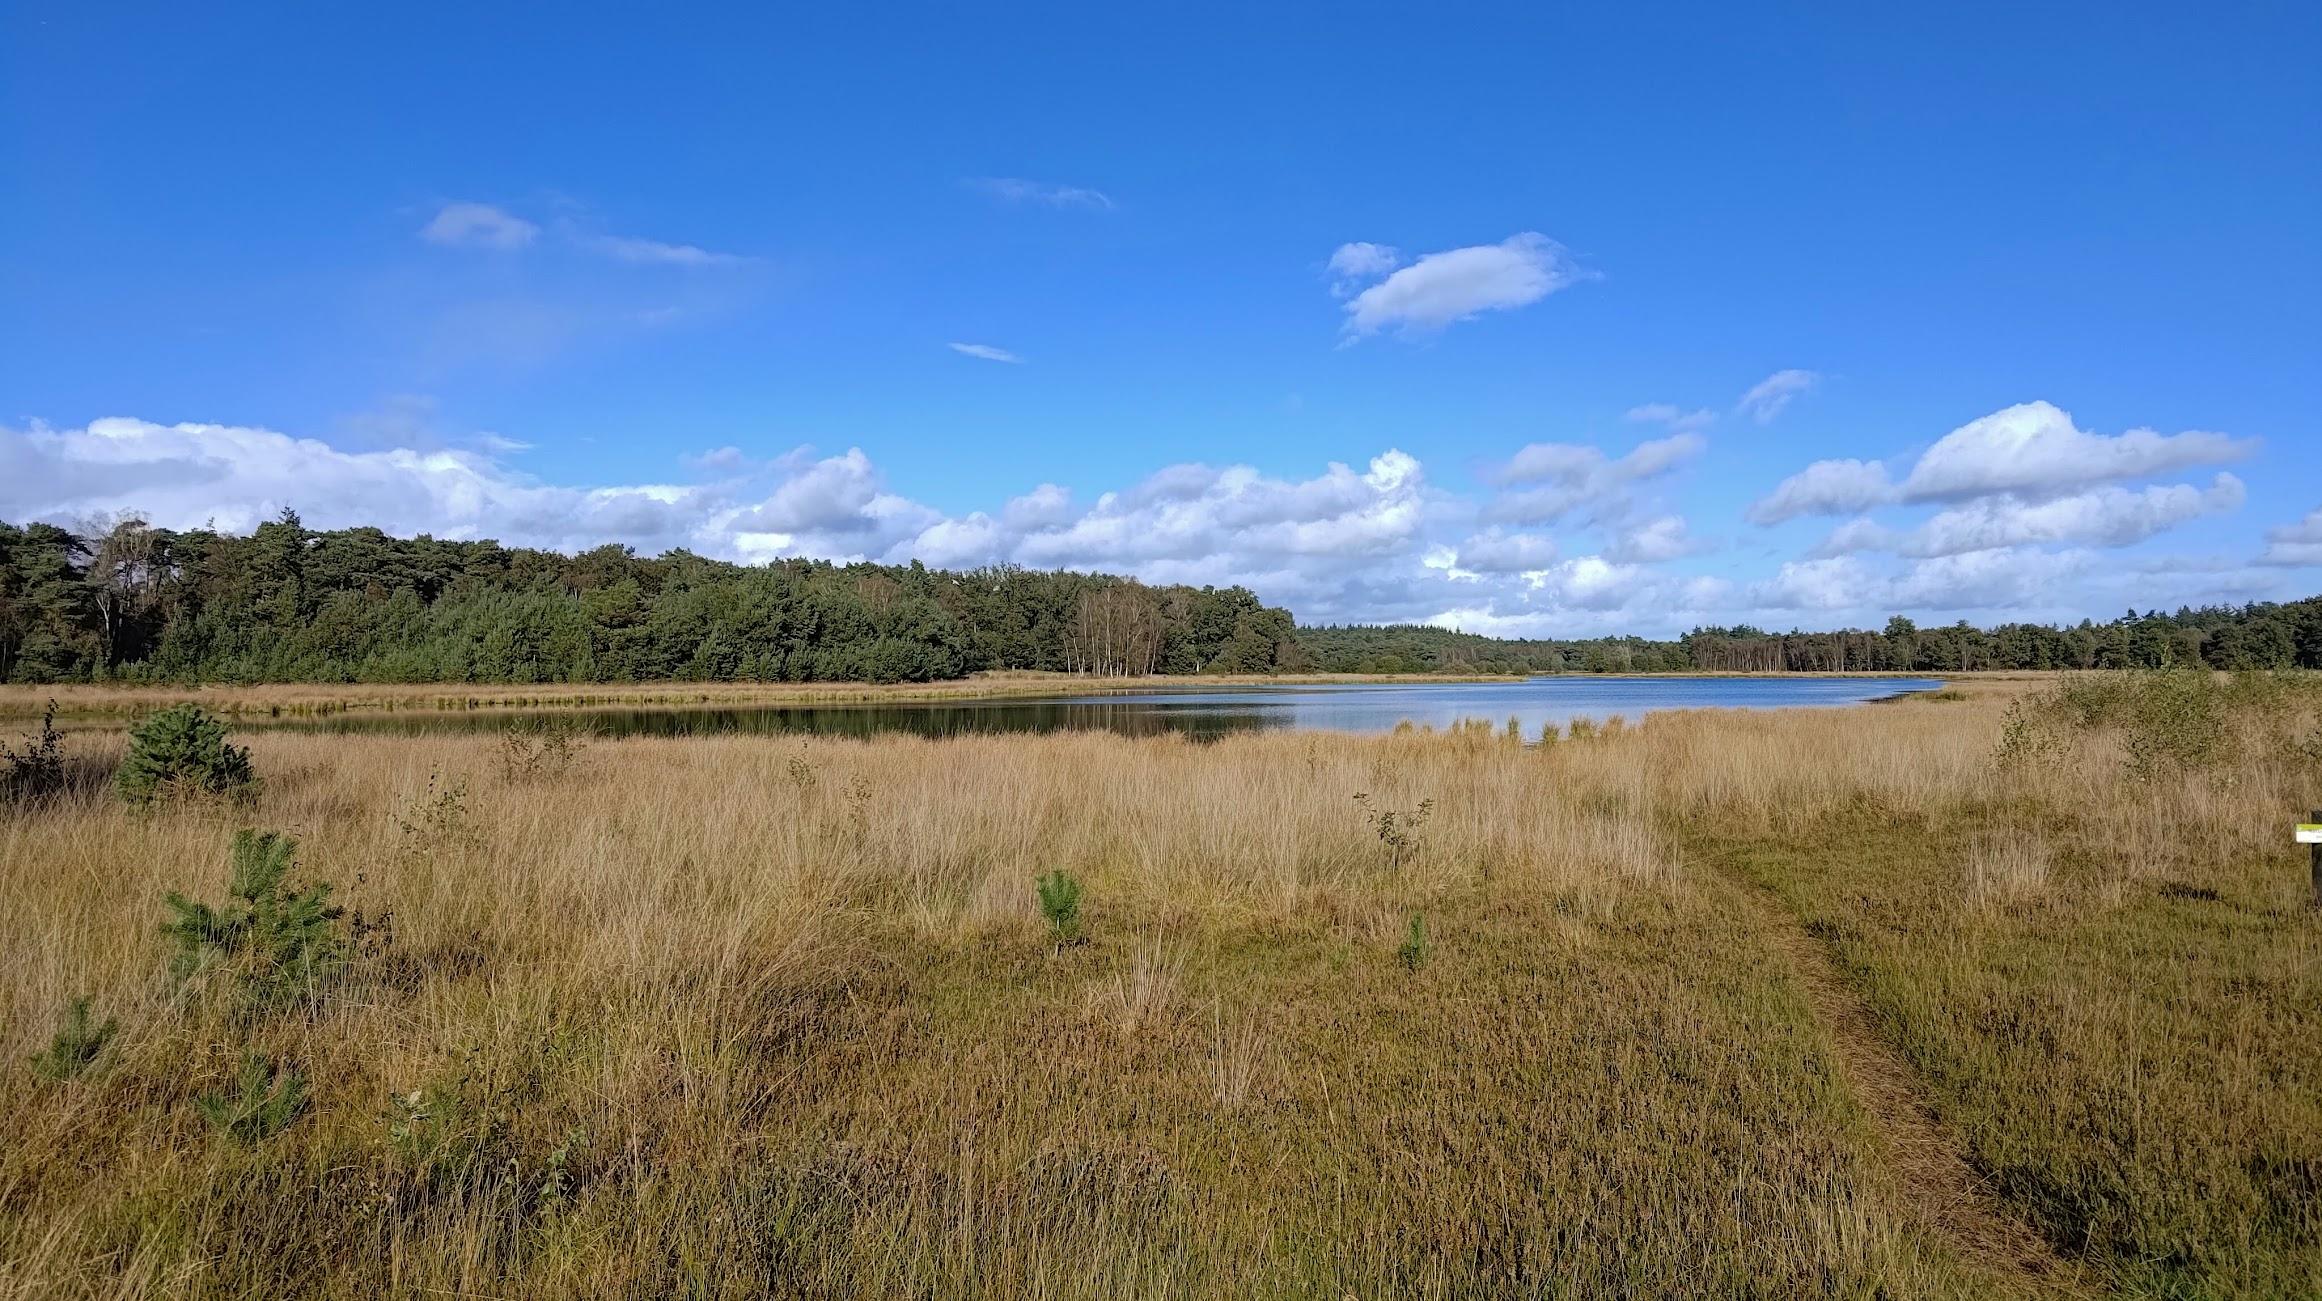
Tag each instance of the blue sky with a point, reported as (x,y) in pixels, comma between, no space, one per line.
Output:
(697,277)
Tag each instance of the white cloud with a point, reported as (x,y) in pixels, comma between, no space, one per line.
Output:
(2034,448)
(1676,418)
(1825,488)
(1441,288)
(985,352)
(1829,583)
(1013,189)
(1548,481)
(477,225)
(182,476)
(1373,541)
(1351,265)
(1769,396)
(1655,541)
(2100,517)
(1497,552)
(624,248)
(2296,545)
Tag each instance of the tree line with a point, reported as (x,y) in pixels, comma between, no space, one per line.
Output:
(285,603)
(2263,635)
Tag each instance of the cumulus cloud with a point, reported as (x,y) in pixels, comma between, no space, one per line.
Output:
(985,352)
(1655,541)
(185,475)
(1825,488)
(1015,189)
(2035,448)
(2029,453)
(1369,541)
(1498,552)
(2100,517)
(2296,545)
(1828,583)
(1767,398)
(477,225)
(1544,482)
(1454,285)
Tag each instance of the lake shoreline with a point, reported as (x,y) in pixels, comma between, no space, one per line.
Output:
(85,701)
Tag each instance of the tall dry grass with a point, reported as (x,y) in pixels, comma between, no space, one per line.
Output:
(744,1015)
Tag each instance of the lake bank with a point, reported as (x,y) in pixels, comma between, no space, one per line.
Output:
(79,700)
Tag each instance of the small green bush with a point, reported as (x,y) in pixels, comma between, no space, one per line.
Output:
(1397,829)
(76,1045)
(182,750)
(281,942)
(262,1102)
(1060,903)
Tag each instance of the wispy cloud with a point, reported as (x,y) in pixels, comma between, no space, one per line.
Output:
(477,225)
(985,352)
(1767,398)
(1015,189)
(653,252)
(1675,418)
(1454,285)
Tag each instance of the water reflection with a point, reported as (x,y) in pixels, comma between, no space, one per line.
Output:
(1533,703)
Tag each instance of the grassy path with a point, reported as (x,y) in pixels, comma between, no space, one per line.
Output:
(1940,1189)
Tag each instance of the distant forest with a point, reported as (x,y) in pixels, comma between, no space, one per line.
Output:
(291,604)
(286,603)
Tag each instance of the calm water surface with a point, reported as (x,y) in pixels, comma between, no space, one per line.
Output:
(1202,713)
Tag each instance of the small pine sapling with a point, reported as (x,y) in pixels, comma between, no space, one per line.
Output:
(262,1102)
(1415,949)
(77,1043)
(1060,904)
(183,751)
(284,941)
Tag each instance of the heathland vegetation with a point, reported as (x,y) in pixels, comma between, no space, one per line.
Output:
(129,602)
(2008,990)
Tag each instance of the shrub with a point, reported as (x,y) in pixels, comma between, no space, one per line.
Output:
(262,1102)
(528,754)
(182,750)
(76,1044)
(282,942)
(1397,829)
(1060,903)
(37,771)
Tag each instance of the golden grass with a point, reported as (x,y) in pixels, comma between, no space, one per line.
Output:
(746,1016)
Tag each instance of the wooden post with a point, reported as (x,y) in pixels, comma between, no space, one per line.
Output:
(2316,900)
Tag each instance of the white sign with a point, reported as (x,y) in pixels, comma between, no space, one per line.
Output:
(2310,833)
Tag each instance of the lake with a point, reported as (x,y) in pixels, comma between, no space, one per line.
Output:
(1194,711)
